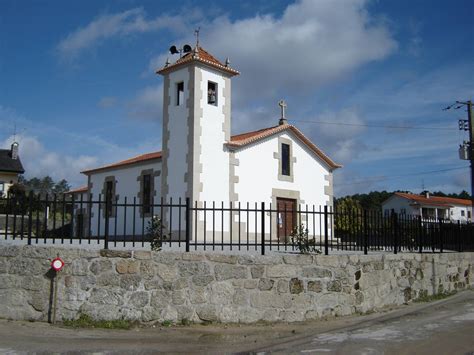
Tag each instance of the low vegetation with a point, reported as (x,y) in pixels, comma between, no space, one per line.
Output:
(85,321)
(301,240)
(436,297)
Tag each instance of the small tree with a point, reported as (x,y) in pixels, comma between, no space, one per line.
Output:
(301,240)
(156,233)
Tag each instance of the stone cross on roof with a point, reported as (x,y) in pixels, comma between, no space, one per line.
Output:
(283,106)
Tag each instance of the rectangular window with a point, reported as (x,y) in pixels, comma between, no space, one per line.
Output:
(109,195)
(285,159)
(147,193)
(462,213)
(469,214)
(211,93)
(179,93)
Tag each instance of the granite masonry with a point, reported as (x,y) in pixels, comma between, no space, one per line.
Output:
(172,286)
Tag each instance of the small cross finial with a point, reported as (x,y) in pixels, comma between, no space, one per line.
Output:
(283,106)
(196,33)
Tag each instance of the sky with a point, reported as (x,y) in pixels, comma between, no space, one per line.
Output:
(366,80)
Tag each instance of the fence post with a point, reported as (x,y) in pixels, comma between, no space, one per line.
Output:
(30,216)
(263,229)
(106,227)
(366,234)
(188,223)
(395,231)
(420,235)
(459,236)
(326,232)
(440,221)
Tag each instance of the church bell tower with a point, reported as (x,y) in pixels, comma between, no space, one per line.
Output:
(196,126)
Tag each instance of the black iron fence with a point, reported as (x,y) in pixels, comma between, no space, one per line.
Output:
(258,227)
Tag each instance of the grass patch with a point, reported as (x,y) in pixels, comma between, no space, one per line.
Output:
(436,297)
(85,321)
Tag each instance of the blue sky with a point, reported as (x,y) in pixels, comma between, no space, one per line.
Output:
(77,79)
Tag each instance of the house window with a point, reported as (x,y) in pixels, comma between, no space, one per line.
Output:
(2,187)
(179,93)
(452,213)
(211,93)
(109,195)
(147,193)
(469,214)
(462,213)
(285,159)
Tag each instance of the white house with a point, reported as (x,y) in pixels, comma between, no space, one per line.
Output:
(10,168)
(202,161)
(429,207)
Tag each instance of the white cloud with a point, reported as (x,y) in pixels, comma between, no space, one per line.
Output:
(39,161)
(147,104)
(311,44)
(107,102)
(114,25)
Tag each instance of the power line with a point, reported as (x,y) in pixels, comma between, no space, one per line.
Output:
(393,177)
(375,125)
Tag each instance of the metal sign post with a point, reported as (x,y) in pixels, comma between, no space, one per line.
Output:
(56,264)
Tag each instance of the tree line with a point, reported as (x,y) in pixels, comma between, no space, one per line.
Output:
(39,186)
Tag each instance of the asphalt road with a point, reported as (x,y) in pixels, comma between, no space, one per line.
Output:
(442,327)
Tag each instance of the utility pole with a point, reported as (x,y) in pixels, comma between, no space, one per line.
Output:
(467,125)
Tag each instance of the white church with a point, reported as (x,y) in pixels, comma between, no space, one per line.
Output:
(201,160)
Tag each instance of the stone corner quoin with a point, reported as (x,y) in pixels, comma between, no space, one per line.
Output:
(175,286)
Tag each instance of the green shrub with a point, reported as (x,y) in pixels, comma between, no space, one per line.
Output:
(301,240)
(155,232)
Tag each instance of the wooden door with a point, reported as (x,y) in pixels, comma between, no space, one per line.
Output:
(286,219)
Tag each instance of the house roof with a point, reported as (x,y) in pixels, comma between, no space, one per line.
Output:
(135,160)
(7,164)
(201,56)
(434,200)
(78,190)
(244,139)
(236,141)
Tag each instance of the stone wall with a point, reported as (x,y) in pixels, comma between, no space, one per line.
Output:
(173,286)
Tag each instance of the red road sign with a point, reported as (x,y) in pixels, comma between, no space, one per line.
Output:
(57,264)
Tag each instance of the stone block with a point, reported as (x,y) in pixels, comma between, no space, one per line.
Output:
(4,266)
(147,269)
(298,259)
(257,271)
(10,282)
(198,295)
(296,286)
(99,266)
(209,313)
(265,284)
(223,258)
(268,299)
(108,279)
(226,272)
(193,256)
(241,298)
(178,297)
(130,282)
(160,298)
(106,296)
(283,270)
(34,252)
(34,283)
(138,299)
(315,272)
(10,251)
(250,284)
(221,293)
(124,254)
(166,273)
(283,286)
(193,268)
(315,286)
(334,286)
(142,255)
(79,267)
(202,280)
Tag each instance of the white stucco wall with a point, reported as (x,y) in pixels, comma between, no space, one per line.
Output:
(214,159)
(7,180)
(178,136)
(397,204)
(127,186)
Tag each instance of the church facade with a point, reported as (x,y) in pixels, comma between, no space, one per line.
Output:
(201,159)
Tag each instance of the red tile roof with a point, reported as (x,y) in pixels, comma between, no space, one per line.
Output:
(134,160)
(244,139)
(434,200)
(201,56)
(78,190)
